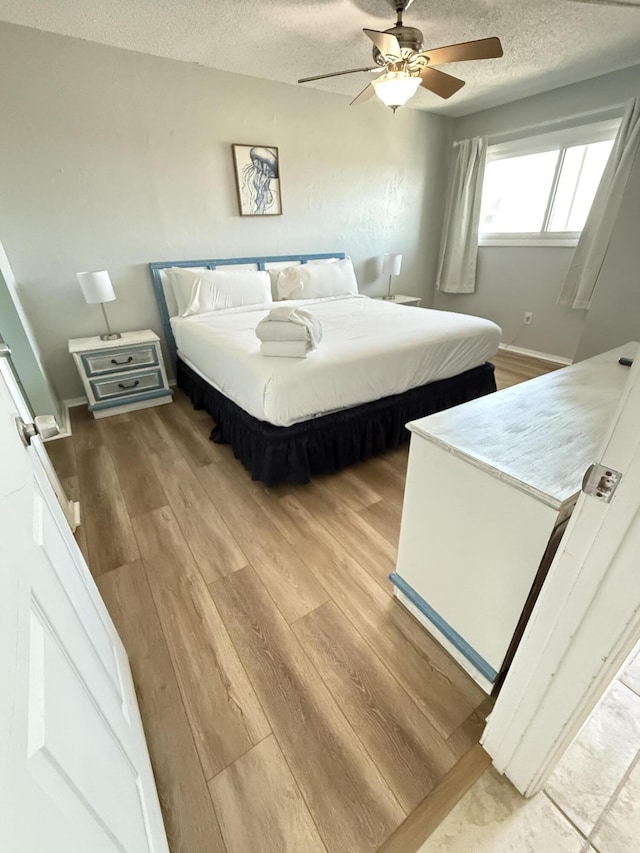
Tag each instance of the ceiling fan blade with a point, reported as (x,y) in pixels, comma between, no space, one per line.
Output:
(440,83)
(387,43)
(367,92)
(339,73)
(481,49)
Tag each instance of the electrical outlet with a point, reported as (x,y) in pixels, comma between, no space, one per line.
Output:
(528,318)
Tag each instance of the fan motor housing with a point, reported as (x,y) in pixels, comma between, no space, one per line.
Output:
(409,38)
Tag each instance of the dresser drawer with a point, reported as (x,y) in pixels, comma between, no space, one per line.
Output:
(123,358)
(112,387)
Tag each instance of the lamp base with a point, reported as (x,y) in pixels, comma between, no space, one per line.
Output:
(390,296)
(114,336)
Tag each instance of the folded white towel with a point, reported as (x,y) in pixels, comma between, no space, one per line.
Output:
(281,331)
(290,324)
(286,349)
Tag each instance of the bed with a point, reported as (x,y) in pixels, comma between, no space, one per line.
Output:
(379,365)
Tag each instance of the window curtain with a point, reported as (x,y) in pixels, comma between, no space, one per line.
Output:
(584,271)
(459,247)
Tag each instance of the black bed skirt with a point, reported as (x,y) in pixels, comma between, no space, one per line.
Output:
(275,454)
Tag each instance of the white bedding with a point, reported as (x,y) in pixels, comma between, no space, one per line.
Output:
(370,349)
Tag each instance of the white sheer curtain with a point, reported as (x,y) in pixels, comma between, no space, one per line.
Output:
(584,271)
(459,247)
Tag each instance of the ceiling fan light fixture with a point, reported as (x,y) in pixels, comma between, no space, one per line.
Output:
(395,88)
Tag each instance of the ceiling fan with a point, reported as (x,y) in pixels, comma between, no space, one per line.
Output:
(403,65)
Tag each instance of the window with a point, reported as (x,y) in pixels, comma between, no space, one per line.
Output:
(540,190)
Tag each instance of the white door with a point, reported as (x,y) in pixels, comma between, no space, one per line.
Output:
(586,620)
(75,775)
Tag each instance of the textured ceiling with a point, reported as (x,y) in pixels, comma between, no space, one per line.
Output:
(547,43)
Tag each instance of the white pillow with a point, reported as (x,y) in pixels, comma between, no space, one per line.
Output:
(276,267)
(214,290)
(313,281)
(274,271)
(180,280)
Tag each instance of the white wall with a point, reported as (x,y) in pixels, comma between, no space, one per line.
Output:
(514,280)
(111,159)
(16,332)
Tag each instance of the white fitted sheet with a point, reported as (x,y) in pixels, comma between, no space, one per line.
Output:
(370,349)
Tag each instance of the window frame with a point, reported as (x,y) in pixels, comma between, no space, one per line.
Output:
(560,140)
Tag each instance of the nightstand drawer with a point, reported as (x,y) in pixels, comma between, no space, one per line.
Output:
(112,387)
(115,360)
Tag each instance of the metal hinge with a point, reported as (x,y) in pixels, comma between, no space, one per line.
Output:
(5,350)
(600,482)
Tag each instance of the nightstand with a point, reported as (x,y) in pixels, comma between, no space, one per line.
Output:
(403,299)
(123,375)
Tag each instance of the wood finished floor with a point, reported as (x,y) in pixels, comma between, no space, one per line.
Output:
(290,704)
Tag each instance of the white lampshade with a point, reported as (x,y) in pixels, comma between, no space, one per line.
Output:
(96,286)
(391,264)
(396,87)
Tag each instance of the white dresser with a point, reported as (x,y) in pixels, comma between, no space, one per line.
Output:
(488,483)
(122,375)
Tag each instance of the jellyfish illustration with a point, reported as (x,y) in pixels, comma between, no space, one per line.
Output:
(256,179)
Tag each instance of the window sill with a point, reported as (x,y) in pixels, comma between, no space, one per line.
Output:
(517,241)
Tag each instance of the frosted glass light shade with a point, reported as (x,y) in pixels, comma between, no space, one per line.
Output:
(96,286)
(391,264)
(396,87)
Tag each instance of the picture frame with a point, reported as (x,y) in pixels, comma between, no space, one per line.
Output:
(257,173)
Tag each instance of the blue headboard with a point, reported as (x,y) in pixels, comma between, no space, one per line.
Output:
(259,263)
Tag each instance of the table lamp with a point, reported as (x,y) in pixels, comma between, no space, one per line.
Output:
(96,287)
(391,265)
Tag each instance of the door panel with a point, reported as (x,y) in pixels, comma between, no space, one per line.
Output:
(75,773)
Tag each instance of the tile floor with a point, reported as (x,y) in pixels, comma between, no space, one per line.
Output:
(591,803)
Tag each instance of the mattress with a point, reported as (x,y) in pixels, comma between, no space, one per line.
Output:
(370,349)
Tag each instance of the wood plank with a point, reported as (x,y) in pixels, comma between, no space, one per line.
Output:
(62,454)
(365,544)
(513,368)
(154,435)
(418,637)
(399,458)
(382,479)
(183,401)
(362,539)
(215,550)
(437,805)
(409,752)
(85,429)
(189,818)
(350,488)
(195,445)
(108,531)
(385,517)
(292,585)
(251,817)
(434,682)
(140,486)
(320,747)
(469,732)
(224,713)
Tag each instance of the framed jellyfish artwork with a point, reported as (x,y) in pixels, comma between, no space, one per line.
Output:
(257,170)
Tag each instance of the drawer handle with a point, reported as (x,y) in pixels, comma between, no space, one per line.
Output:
(125,387)
(128,361)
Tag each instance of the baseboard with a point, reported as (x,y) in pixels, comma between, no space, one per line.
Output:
(544,356)
(79,401)
(65,426)
(65,432)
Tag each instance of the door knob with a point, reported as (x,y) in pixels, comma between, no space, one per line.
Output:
(43,425)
